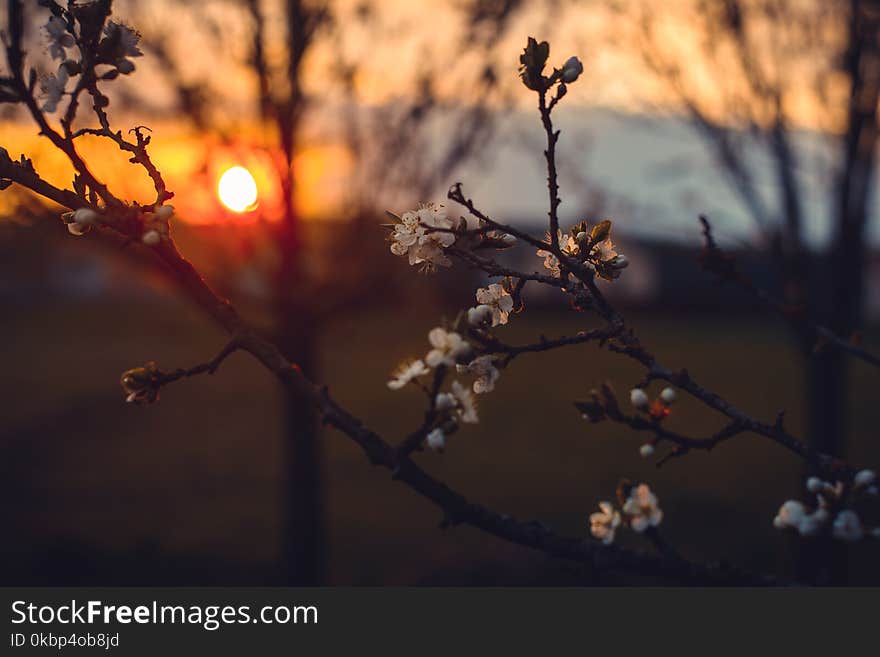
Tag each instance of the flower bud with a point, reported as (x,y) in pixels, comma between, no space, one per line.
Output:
(581,237)
(436,440)
(164,213)
(864,478)
(151,238)
(847,526)
(815,485)
(646,450)
(812,524)
(85,216)
(667,396)
(124,66)
(638,398)
(508,239)
(572,69)
(618,262)
(444,401)
(480,315)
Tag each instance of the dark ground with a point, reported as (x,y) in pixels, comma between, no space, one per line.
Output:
(96,491)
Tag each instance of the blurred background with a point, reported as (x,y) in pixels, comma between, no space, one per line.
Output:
(761,114)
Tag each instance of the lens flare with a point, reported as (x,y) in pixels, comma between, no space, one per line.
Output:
(237,189)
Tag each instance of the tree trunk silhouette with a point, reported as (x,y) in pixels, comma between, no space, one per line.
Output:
(297,333)
(302,487)
(845,266)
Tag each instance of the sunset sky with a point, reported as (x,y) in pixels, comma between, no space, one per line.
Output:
(610,143)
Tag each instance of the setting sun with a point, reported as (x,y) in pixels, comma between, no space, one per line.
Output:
(237,189)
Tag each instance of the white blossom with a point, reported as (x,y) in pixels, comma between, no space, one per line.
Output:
(465,402)
(80,221)
(815,485)
(406,373)
(864,478)
(449,348)
(604,250)
(444,401)
(789,515)
(436,439)
(498,299)
(642,508)
(847,526)
(667,396)
(412,236)
(53,87)
(486,372)
(479,315)
(125,41)
(151,237)
(604,523)
(813,523)
(572,69)
(59,37)
(646,450)
(551,262)
(406,234)
(638,398)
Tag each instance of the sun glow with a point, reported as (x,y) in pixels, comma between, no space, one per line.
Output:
(237,189)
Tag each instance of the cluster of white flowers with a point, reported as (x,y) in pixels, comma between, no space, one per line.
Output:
(494,306)
(460,399)
(844,524)
(594,247)
(417,236)
(640,511)
(59,38)
(566,244)
(449,349)
(53,87)
(120,42)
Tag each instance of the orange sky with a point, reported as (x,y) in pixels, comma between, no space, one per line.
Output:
(411,31)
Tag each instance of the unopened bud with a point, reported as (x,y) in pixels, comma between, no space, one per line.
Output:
(151,238)
(619,262)
(124,66)
(572,69)
(667,396)
(480,315)
(436,440)
(444,401)
(164,213)
(638,398)
(646,450)
(85,216)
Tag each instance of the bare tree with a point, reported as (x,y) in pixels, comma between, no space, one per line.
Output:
(765,60)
